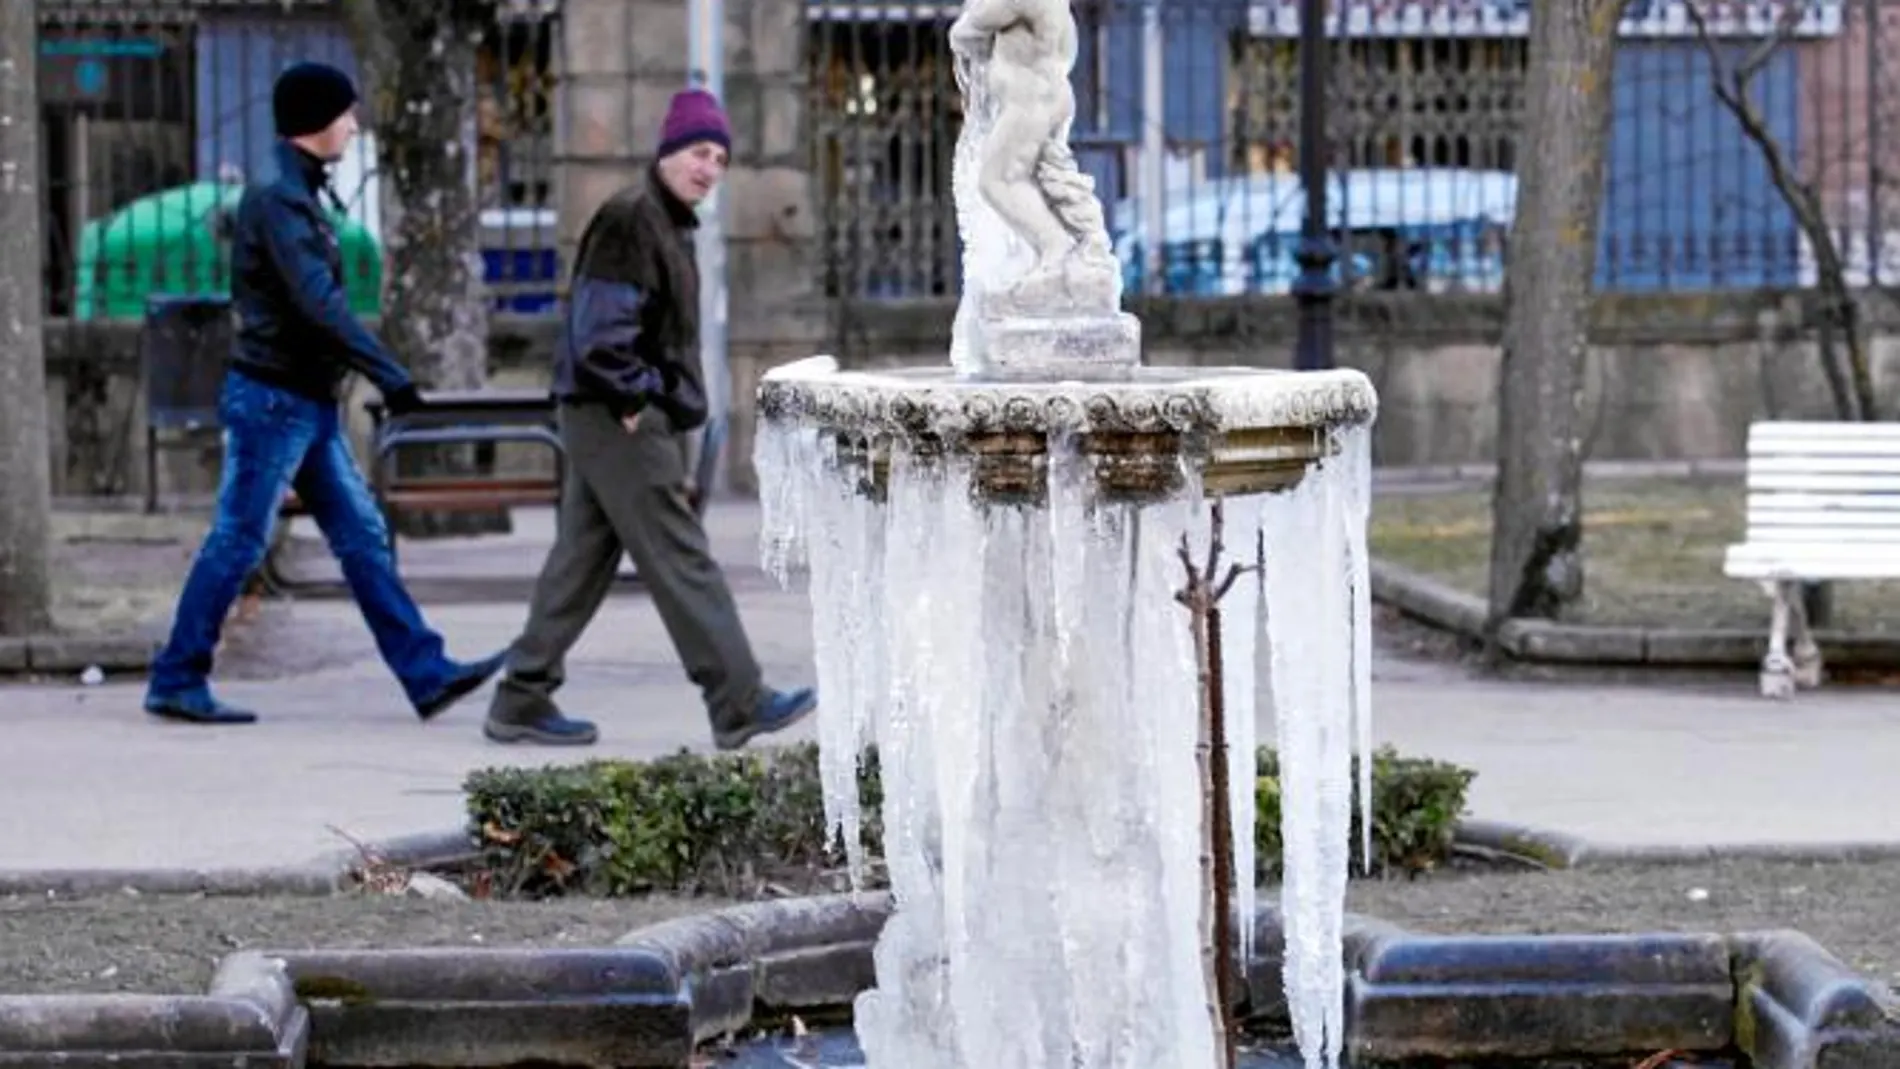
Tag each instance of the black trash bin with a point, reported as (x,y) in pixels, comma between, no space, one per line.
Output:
(183,345)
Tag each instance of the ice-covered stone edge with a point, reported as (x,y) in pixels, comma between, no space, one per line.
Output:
(877,405)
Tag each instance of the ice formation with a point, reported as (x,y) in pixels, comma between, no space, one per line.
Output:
(1029,683)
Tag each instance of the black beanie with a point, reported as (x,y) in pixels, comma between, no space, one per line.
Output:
(308,97)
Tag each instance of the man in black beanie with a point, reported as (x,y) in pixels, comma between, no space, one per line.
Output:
(297,344)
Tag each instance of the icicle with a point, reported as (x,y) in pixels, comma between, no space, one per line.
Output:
(1240,626)
(1308,653)
(1355,475)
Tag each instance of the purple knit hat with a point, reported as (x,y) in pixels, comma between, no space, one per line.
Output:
(694,116)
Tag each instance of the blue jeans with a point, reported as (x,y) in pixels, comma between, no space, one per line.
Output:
(274,439)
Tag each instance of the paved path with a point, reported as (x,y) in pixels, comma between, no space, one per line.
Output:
(86,781)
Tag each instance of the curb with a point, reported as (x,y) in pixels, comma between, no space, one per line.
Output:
(326,874)
(1561,850)
(1446,608)
(1425,474)
(72,654)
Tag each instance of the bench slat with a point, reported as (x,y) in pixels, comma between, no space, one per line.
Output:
(1797,500)
(1810,562)
(1821,430)
(469,484)
(1826,447)
(1831,465)
(1823,521)
(451,501)
(1823,446)
(1809,482)
(1860,536)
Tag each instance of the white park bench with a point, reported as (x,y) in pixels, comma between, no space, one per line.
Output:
(1823,504)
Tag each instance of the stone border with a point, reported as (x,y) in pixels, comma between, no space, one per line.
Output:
(249,1017)
(1439,474)
(69,655)
(1446,608)
(1561,850)
(323,875)
(662,991)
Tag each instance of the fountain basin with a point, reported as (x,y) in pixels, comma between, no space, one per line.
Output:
(1141,429)
(1776,999)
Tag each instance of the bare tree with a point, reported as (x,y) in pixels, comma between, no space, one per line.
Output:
(1537,507)
(25,473)
(419,61)
(1850,380)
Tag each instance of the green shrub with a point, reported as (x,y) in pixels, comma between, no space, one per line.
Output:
(729,824)
(1416,803)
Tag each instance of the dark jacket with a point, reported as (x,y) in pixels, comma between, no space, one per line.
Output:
(631,337)
(295,328)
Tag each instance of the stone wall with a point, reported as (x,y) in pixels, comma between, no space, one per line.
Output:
(1669,377)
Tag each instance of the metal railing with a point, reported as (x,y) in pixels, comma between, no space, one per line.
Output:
(1426,133)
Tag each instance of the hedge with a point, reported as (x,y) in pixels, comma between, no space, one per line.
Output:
(732,824)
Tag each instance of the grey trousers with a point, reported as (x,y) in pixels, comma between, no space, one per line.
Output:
(627,493)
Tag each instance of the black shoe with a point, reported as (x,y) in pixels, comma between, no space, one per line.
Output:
(465,680)
(778,711)
(551,729)
(198,709)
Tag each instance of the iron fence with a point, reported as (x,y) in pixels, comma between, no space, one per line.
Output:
(1198,99)
(155,112)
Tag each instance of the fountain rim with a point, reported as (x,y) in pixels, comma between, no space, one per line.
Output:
(936,402)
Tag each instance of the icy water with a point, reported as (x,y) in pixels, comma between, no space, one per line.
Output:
(839,1050)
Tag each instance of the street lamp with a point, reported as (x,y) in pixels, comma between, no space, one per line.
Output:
(1313,289)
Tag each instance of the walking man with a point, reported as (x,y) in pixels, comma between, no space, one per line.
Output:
(281,407)
(629,383)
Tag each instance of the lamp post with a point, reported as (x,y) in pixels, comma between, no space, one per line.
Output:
(1313,289)
(706,57)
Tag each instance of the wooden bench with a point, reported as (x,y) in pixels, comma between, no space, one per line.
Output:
(1823,504)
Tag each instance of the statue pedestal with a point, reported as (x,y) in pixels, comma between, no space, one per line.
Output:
(1055,346)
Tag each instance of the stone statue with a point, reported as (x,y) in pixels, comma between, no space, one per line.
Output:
(1013,59)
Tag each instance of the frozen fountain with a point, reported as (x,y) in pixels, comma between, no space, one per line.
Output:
(995,549)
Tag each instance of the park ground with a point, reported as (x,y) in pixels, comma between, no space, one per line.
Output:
(90,784)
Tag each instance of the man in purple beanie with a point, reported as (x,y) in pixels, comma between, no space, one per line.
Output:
(629,383)
(297,344)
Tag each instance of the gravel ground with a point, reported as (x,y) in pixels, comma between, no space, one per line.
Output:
(1850,908)
(171,945)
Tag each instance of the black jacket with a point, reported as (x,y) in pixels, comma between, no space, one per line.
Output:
(295,328)
(631,336)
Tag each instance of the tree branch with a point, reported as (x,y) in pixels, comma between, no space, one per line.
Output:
(1733,86)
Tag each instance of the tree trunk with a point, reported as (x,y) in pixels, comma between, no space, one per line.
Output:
(418,62)
(1537,510)
(26,501)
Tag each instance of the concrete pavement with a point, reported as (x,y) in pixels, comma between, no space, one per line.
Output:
(87,782)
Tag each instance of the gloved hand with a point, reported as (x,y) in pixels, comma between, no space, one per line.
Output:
(403,400)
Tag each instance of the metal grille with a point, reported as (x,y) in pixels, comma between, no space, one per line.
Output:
(1424,129)
(884,117)
(155,111)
